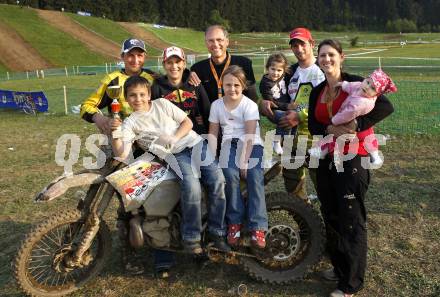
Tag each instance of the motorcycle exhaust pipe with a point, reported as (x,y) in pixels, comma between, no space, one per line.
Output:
(136,235)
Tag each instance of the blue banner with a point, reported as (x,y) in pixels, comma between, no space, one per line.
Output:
(21,100)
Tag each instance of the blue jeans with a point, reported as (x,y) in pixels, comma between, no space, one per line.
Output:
(191,193)
(163,260)
(277,115)
(237,211)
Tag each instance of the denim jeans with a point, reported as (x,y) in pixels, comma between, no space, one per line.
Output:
(237,210)
(277,115)
(191,194)
(163,260)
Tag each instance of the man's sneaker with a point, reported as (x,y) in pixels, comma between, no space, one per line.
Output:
(192,247)
(258,239)
(234,234)
(218,242)
(339,293)
(329,275)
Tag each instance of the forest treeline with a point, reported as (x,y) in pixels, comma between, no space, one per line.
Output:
(261,15)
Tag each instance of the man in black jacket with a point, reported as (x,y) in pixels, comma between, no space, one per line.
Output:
(209,71)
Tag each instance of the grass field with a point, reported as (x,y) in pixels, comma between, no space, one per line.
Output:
(417,103)
(107,28)
(404,220)
(3,68)
(52,44)
(182,37)
(104,27)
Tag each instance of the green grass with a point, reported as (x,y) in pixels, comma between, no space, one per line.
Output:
(108,29)
(402,202)
(417,103)
(54,45)
(104,27)
(182,37)
(78,88)
(3,69)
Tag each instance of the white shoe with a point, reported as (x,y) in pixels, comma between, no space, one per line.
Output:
(277,147)
(339,293)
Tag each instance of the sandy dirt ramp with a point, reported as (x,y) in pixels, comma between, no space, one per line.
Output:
(17,54)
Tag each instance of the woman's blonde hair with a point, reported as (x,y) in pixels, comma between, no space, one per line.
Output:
(238,73)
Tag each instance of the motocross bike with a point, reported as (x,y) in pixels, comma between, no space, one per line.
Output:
(63,253)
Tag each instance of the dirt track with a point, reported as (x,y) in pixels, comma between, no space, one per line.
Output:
(18,55)
(145,35)
(91,40)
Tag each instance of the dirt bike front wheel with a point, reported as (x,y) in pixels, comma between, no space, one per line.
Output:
(294,242)
(39,268)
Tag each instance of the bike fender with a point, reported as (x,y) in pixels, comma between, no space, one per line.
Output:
(61,184)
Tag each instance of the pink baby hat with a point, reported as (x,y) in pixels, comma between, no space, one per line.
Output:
(382,82)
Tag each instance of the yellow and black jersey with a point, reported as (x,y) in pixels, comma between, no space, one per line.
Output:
(99,99)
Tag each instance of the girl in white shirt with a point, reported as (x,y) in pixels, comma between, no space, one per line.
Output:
(240,156)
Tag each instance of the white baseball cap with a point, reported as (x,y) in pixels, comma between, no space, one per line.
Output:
(173,51)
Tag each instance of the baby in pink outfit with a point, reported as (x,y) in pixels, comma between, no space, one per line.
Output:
(360,101)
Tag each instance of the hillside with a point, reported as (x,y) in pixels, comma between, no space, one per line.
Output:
(17,54)
(91,40)
(40,39)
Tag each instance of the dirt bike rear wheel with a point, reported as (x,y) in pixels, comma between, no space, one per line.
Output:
(36,268)
(294,242)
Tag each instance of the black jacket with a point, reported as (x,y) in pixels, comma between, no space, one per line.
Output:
(193,100)
(203,71)
(266,84)
(381,110)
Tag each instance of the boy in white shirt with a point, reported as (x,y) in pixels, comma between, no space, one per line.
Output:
(174,133)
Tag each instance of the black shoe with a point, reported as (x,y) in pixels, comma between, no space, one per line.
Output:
(192,247)
(329,275)
(134,268)
(219,242)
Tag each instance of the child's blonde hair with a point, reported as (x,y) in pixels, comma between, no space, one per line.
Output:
(238,73)
(278,58)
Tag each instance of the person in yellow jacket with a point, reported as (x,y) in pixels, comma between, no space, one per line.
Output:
(133,55)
